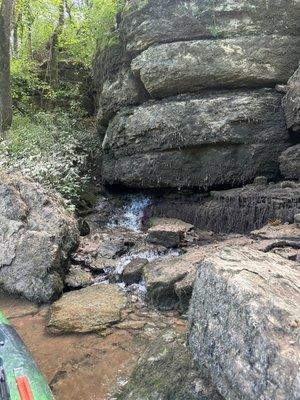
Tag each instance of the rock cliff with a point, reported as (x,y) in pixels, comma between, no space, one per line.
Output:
(187,95)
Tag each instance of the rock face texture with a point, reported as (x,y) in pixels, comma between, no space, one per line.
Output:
(183,379)
(92,309)
(168,232)
(37,235)
(290,162)
(197,141)
(244,324)
(236,210)
(186,96)
(291,102)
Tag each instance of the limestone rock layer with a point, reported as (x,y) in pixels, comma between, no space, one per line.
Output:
(185,101)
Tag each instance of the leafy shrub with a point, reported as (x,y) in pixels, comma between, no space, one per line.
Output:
(53,149)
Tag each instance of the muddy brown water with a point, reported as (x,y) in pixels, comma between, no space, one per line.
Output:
(85,367)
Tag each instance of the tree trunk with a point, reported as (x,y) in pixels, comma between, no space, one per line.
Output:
(52,69)
(6,11)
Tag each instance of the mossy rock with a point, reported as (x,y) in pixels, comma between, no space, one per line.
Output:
(166,371)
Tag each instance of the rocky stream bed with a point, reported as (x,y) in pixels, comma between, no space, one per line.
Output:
(126,298)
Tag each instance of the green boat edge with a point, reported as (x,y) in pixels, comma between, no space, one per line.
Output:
(17,362)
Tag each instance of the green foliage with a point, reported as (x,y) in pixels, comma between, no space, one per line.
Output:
(26,83)
(54,150)
(90,24)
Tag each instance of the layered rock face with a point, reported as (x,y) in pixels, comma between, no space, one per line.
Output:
(37,235)
(291,102)
(244,324)
(190,101)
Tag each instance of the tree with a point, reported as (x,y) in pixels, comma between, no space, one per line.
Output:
(6,13)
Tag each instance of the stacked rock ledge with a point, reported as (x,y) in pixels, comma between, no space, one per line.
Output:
(199,140)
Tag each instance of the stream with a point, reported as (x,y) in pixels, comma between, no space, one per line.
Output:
(94,366)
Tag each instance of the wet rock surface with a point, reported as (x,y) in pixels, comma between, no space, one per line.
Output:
(244,313)
(168,232)
(143,292)
(92,309)
(239,210)
(37,234)
(185,382)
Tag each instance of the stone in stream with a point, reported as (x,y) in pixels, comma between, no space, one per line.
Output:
(134,270)
(166,371)
(291,102)
(92,309)
(163,278)
(244,324)
(168,232)
(290,162)
(79,277)
(37,234)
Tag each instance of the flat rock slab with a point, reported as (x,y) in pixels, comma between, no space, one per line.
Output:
(92,309)
(168,232)
(160,21)
(196,141)
(173,68)
(244,324)
(288,232)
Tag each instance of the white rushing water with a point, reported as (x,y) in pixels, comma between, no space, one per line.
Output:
(130,216)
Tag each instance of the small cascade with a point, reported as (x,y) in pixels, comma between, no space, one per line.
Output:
(130,215)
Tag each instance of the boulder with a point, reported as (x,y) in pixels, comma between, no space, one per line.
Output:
(183,379)
(79,277)
(196,141)
(37,234)
(169,281)
(161,21)
(133,271)
(173,68)
(244,324)
(168,232)
(92,309)
(291,102)
(290,162)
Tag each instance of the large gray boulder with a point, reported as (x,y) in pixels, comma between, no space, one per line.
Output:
(196,141)
(158,21)
(244,324)
(37,235)
(290,162)
(189,66)
(291,102)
